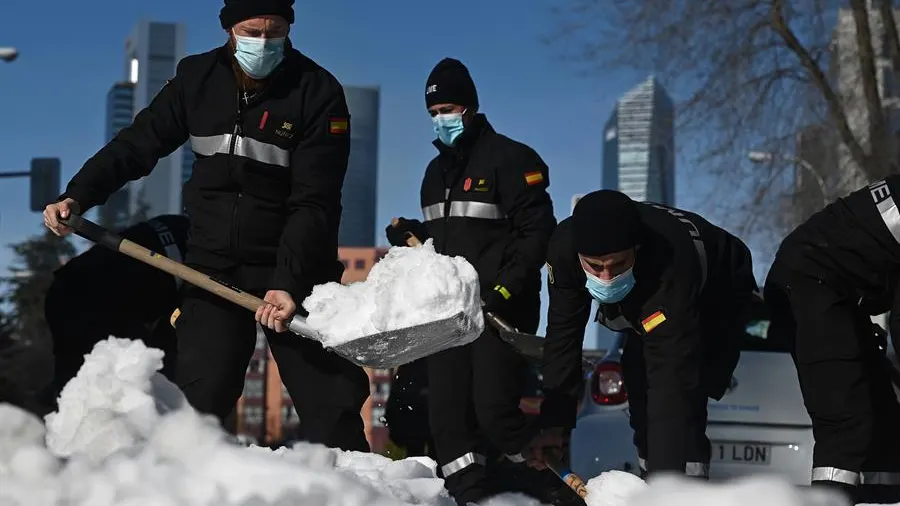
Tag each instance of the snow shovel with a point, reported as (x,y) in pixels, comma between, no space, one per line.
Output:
(528,345)
(384,350)
(531,346)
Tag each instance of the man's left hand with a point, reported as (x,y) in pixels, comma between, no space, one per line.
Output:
(278,312)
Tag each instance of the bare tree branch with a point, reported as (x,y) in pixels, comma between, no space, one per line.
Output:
(869,78)
(750,75)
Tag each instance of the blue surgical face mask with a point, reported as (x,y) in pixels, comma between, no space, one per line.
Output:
(257,56)
(612,291)
(448,127)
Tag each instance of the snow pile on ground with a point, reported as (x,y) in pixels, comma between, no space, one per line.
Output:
(115,401)
(606,490)
(163,453)
(409,286)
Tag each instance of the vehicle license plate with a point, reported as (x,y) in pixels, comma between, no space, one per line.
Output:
(742,453)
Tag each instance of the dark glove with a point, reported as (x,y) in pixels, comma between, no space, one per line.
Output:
(493,300)
(397,234)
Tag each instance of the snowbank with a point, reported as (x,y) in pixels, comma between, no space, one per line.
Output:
(163,453)
(409,286)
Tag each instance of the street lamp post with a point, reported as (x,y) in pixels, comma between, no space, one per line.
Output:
(767,157)
(8,54)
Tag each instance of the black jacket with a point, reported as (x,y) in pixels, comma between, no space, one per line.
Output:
(486,200)
(692,278)
(853,245)
(266,185)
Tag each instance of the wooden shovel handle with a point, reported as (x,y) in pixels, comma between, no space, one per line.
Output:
(95,233)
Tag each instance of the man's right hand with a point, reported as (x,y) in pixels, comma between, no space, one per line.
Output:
(62,209)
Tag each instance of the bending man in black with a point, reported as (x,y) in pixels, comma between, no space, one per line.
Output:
(677,286)
(830,274)
(102,293)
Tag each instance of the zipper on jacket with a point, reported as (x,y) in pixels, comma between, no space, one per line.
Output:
(235,224)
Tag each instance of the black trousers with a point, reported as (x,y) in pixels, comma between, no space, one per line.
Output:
(845,383)
(474,391)
(634,370)
(216,339)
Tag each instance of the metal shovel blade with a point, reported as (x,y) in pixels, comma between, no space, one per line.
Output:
(394,348)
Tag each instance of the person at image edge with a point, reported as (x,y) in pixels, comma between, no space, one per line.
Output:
(829,275)
(679,288)
(271,133)
(484,197)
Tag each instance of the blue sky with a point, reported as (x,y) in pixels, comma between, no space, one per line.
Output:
(53,96)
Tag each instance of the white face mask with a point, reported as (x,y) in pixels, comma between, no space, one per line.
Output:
(257,56)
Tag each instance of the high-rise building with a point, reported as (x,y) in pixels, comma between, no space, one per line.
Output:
(119,113)
(639,145)
(152,52)
(361,183)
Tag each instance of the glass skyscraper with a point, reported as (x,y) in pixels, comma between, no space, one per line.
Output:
(152,52)
(639,145)
(119,113)
(361,183)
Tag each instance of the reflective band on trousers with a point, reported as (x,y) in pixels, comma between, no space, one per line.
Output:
(465,209)
(463,462)
(835,474)
(517,458)
(690,469)
(243,146)
(880,478)
(887,208)
(168,241)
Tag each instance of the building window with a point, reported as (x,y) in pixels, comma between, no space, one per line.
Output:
(359,264)
(378,416)
(253,388)
(253,415)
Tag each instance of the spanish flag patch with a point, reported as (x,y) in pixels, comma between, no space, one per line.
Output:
(653,321)
(533,178)
(338,126)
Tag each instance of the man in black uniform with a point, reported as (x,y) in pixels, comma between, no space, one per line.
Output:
(677,286)
(270,130)
(102,293)
(829,275)
(484,197)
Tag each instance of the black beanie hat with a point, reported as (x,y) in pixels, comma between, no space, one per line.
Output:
(606,221)
(450,83)
(236,11)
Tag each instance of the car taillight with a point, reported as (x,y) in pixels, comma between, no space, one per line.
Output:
(608,385)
